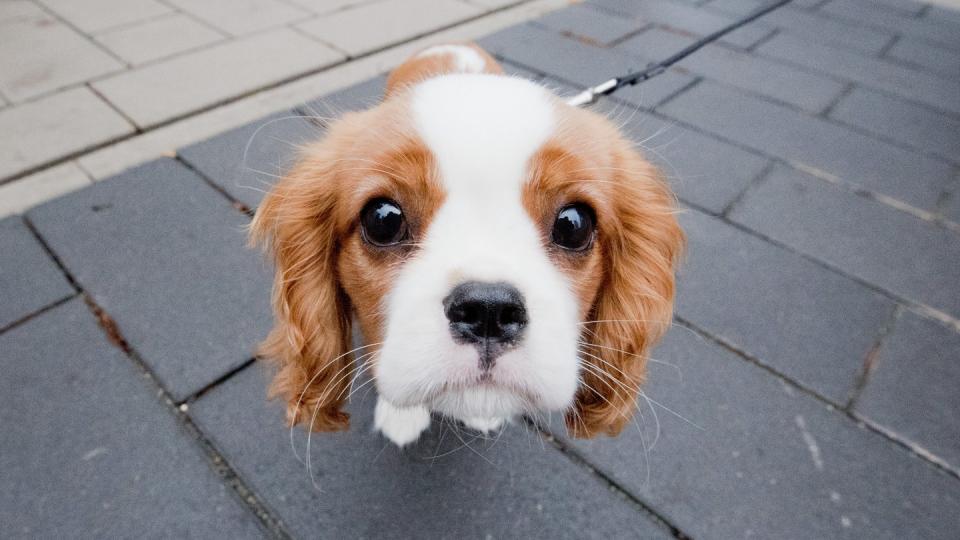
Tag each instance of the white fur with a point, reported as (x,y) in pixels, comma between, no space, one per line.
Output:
(401,425)
(482,131)
(468,60)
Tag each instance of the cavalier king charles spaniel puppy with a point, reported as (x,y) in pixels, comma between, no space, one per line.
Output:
(502,252)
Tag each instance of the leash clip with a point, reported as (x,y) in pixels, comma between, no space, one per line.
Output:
(590,95)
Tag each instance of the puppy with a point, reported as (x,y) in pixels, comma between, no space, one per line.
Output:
(503,253)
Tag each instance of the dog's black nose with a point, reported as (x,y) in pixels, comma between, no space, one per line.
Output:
(489,315)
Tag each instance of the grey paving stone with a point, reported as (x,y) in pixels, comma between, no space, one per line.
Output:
(865,12)
(87,449)
(776,80)
(913,125)
(811,27)
(701,169)
(942,13)
(927,56)
(811,324)
(164,254)
(518,487)
(29,279)
(813,142)
(685,18)
(359,96)
(951,209)
(926,88)
(769,462)
(912,390)
(892,249)
(248,160)
(903,6)
(580,64)
(591,25)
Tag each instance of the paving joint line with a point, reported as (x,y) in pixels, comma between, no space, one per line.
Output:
(223,470)
(913,448)
(38,312)
(236,203)
(239,97)
(870,359)
(917,308)
(579,460)
(86,36)
(192,398)
(764,173)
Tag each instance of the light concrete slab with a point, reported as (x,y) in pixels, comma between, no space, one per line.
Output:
(55,126)
(158,38)
(373,26)
(21,195)
(160,92)
(39,54)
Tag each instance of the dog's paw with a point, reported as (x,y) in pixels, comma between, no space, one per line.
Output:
(484,425)
(401,425)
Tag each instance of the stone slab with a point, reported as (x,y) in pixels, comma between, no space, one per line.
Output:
(580,64)
(896,251)
(58,125)
(755,458)
(158,38)
(800,88)
(912,125)
(813,142)
(29,278)
(40,54)
(514,485)
(164,254)
(811,324)
(88,449)
(924,87)
(912,389)
(368,27)
(248,160)
(155,93)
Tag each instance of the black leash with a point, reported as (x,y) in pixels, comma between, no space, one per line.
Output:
(606,88)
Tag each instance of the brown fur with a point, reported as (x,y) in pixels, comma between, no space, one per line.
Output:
(625,283)
(420,69)
(324,272)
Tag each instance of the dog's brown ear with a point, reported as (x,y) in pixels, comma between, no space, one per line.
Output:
(440,60)
(311,336)
(641,244)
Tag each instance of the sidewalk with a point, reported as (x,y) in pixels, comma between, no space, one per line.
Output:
(807,390)
(87,90)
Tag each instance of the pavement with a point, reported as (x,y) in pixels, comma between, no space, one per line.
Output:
(809,386)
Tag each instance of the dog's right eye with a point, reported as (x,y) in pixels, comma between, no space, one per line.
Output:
(383,223)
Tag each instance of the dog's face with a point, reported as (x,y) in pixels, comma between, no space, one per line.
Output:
(502,252)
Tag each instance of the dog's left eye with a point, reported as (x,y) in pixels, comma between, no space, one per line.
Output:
(573,228)
(383,223)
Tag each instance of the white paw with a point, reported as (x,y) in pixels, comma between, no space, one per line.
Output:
(401,425)
(484,425)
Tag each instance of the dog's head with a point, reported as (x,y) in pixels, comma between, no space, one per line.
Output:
(502,252)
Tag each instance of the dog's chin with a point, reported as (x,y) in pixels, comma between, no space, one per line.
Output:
(484,400)
(468,392)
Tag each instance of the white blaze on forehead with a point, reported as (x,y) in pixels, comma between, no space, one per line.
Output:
(482,129)
(468,60)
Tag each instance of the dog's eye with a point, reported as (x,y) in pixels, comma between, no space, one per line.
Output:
(383,223)
(573,228)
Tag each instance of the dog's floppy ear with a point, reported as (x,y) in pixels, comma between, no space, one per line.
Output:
(311,337)
(641,244)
